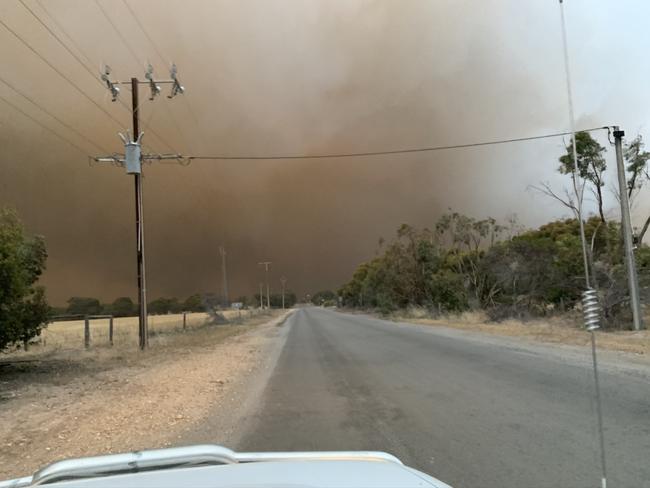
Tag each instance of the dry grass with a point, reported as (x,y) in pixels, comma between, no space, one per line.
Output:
(69,335)
(552,330)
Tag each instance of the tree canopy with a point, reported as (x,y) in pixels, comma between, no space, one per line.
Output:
(164,305)
(84,306)
(23,308)
(123,307)
(194,303)
(591,165)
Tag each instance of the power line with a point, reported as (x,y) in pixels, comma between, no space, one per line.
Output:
(138,61)
(178,128)
(61,74)
(146,34)
(65,124)
(119,33)
(66,47)
(395,151)
(137,20)
(37,122)
(60,27)
(148,121)
(164,61)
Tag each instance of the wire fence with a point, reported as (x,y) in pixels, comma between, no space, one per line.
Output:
(84,332)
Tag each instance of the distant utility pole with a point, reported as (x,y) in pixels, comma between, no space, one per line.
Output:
(261,295)
(626,223)
(266,268)
(132,161)
(283,282)
(222,251)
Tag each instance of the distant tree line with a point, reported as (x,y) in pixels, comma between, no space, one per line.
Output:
(126,307)
(325,298)
(290,299)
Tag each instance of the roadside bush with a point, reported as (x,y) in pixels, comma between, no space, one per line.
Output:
(464,265)
(446,292)
(23,308)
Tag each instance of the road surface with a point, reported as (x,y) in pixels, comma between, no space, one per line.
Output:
(473,410)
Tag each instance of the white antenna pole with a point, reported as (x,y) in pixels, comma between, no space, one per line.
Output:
(589,293)
(577,188)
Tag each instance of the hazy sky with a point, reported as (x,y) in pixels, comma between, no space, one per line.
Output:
(298,77)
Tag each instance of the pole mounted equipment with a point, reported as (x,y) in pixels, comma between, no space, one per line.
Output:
(154,85)
(155,88)
(132,160)
(132,153)
(111,85)
(176,87)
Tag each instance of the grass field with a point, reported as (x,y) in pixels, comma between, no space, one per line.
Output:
(70,334)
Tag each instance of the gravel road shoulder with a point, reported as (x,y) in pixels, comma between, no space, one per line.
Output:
(104,401)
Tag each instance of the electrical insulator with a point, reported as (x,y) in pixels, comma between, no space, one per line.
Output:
(591,309)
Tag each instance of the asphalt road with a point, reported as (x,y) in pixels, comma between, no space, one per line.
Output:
(471,410)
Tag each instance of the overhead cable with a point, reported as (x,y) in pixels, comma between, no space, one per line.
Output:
(43,109)
(60,73)
(67,48)
(394,151)
(138,61)
(39,123)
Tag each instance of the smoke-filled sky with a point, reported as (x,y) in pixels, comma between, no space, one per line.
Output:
(297,77)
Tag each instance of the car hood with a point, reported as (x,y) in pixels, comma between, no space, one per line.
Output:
(213,466)
(281,474)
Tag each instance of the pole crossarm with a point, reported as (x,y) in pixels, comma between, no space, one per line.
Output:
(120,158)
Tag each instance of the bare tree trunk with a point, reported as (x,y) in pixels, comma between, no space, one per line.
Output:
(599,191)
(639,238)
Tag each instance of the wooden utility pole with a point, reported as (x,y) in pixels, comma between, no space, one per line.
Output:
(268,292)
(132,161)
(222,251)
(283,282)
(143,332)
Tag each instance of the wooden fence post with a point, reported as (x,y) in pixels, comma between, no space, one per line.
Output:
(184,320)
(86,332)
(110,330)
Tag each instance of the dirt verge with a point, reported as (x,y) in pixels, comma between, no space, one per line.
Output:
(110,400)
(552,330)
